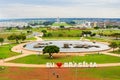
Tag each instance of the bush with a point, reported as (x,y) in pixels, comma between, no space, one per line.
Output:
(60,35)
(49,35)
(1,40)
(78,35)
(70,35)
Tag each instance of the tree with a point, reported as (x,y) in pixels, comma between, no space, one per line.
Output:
(29,31)
(1,40)
(44,32)
(27,27)
(14,37)
(47,23)
(109,26)
(49,35)
(9,28)
(96,27)
(100,34)
(118,45)
(86,33)
(62,26)
(50,50)
(17,37)
(113,45)
(93,34)
(117,35)
(22,37)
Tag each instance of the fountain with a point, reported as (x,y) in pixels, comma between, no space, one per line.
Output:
(69,46)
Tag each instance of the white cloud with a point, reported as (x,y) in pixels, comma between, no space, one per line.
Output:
(27,11)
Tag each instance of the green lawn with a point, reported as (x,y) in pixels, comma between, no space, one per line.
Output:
(43,59)
(97,39)
(107,31)
(5,34)
(32,38)
(61,24)
(115,52)
(5,51)
(108,73)
(64,33)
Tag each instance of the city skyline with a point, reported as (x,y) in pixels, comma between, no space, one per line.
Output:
(61,8)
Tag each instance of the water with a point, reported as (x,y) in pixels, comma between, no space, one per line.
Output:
(60,44)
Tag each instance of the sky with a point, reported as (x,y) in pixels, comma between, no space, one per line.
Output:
(60,8)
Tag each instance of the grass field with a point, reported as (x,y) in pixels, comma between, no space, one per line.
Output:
(32,38)
(55,34)
(108,73)
(61,24)
(5,51)
(115,52)
(107,31)
(64,33)
(15,73)
(8,33)
(43,59)
(97,39)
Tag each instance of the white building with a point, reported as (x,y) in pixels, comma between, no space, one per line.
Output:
(83,23)
(13,24)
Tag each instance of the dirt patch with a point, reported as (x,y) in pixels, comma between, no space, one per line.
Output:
(15,73)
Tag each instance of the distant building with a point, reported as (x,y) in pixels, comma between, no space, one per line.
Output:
(58,20)
(93,24)
(13,24)
(112,23)
(82,23)
(107,23)
(2,29)
(101,24)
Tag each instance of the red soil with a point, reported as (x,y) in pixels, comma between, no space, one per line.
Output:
(15,73)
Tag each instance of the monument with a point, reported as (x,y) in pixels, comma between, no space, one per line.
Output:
(58,20)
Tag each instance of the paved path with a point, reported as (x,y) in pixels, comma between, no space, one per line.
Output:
(108,64)
(117,55)
(15,57)
(25,52)
(4,44)
(42,66)
(111,54)
(38,38)
(21,65)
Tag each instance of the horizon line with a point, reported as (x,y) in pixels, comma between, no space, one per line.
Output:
(61,17)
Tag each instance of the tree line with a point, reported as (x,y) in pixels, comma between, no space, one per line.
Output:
(114,45)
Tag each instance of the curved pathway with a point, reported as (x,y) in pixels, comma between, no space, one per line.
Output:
(24,53)
(111,54)
(43,65)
